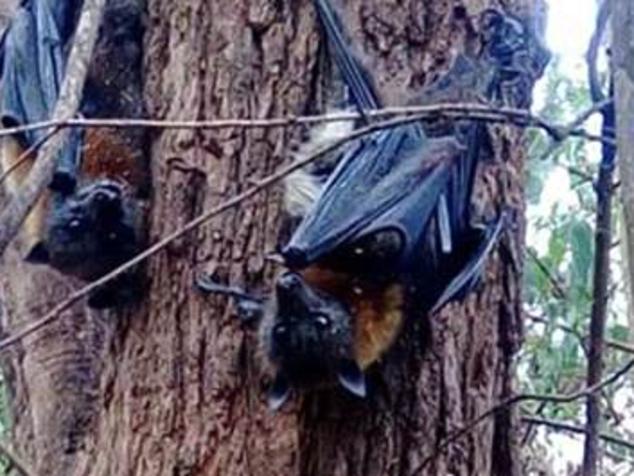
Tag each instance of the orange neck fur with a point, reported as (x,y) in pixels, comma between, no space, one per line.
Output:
(377,311)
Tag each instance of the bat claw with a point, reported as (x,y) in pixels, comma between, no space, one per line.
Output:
(249,308)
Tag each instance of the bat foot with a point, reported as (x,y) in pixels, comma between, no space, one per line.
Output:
(249,308)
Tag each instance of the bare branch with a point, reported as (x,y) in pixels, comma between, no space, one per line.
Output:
(565,426)
(615,344)
(483,112)
(558,290)
(556,398)
(518,116)
(69,99)
(26,155)
(567,131)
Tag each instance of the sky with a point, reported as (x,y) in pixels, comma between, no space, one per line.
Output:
(570,25)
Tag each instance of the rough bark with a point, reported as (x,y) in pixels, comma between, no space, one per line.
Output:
(7,7)
(176,386)
(623,71)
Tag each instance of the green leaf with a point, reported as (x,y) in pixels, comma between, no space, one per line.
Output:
(582,248)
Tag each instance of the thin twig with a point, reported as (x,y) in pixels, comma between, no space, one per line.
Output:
(582,174)
(599,102)
(559,291)
(583,342)
(565,426)
(556,398)
(618,458)
(258,187)
(16,460)
(615,344)
(530,428)
(26,155)
(66,107)
(573,125)
(512,116)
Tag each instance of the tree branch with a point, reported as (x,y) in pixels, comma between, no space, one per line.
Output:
(27,154)
(574,125)
(556,398)
(484,112)
(602,244)
(564,426)
(431,111)
(615,344)
(558,290)
(69,99)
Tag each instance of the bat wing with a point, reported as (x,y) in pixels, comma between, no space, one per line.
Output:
(471,268)
(33,53)
(355,77)
(390,181)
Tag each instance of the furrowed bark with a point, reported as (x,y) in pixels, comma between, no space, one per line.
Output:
(177,383)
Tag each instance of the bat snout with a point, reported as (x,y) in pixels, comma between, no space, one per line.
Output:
(106,197)
(289,282)
(294,296)
(107,204)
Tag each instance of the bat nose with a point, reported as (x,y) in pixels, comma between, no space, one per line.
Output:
(103,196)
(292,295)
(107,205)
(288,282)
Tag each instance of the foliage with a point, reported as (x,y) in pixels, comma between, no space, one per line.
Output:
(558,266)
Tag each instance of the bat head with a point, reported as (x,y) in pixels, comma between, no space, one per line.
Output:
(309,336)
(511,42)
(89,232)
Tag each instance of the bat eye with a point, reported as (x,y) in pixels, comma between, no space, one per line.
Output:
(102,197)
(75,225)
(280,330)
(323,321)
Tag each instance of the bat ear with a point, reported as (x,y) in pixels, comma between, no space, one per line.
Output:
(39,254)
(279,392)
(351,378)
(63,182)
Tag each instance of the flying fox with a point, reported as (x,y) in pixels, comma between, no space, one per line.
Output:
(389,232)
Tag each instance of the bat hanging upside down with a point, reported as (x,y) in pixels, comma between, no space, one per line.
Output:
(388,233)
(90,219)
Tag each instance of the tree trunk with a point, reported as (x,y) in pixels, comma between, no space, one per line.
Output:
(175,386)
(623,67)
